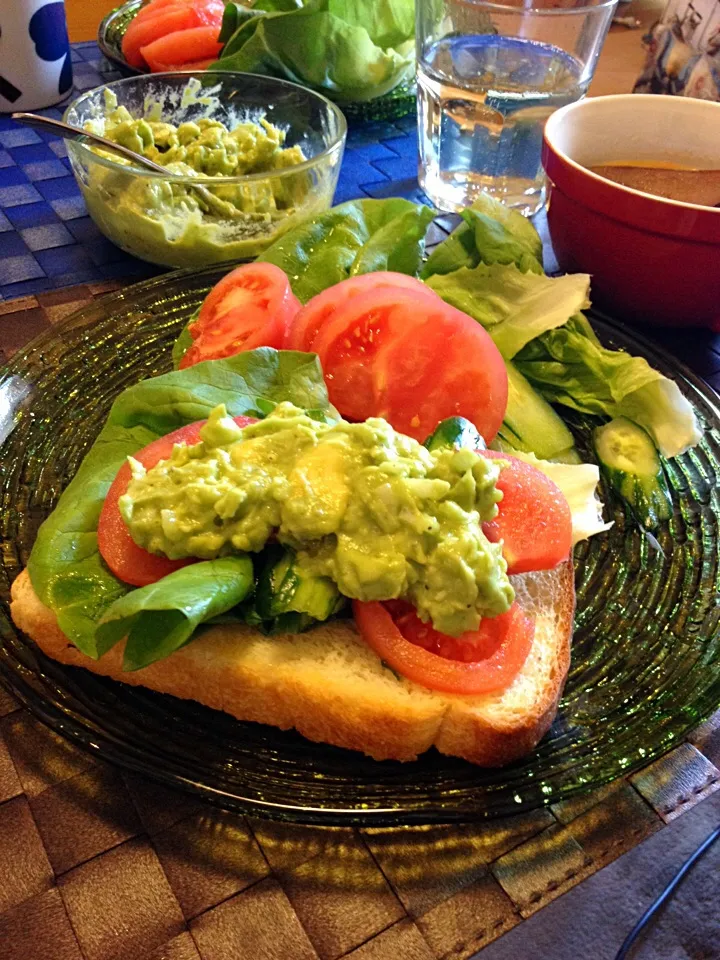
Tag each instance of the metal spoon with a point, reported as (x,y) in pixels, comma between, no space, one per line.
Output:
(69,132)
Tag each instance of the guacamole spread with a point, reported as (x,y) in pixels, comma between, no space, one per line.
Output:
(359,503)
(167,222)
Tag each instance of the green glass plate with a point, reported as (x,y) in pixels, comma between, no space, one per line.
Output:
(397,103)
(111,32)
(646,653)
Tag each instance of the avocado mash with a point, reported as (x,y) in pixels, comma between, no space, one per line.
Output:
(204,146)
(359,503)
(166,222)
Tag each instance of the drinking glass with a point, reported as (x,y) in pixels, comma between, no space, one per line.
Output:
(489,76)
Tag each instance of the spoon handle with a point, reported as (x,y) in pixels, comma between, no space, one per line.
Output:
(220,207)
(77,133)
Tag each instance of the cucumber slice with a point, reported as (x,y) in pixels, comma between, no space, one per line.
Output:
(455,432)
(289,623)
(567,456)
(286,623)
(630,461)
(531,425)
(283,588)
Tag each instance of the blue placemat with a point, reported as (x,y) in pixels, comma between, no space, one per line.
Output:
(47,239)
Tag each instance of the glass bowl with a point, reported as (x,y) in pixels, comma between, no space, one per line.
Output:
(160,217)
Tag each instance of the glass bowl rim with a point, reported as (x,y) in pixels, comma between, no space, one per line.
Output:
(335,147)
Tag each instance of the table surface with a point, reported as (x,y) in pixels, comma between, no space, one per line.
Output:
(619,65)
(96,863)
(48,242)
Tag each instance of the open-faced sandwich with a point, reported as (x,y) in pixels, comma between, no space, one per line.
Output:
(303,524)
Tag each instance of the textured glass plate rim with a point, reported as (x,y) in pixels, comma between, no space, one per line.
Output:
(85,731)
(106,35)
(395,104)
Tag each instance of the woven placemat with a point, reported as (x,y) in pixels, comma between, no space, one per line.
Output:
(98,864)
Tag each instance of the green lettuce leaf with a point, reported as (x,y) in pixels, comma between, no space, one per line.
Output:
(397,246)
(578,482)
(354,237)
(569,366)
(514,307)
(389,23)
(183,342)
(278,6)
(234,16)
(245,383)
(495,242)
(245,25)
(65,566)
(490,233)
(454,253)
(352,50)
(162,617)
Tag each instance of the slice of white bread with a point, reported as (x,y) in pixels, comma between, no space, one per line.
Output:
(332,688)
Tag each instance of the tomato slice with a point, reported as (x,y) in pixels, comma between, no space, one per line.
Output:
(129,562)
(307,324)
(413,360)
(491,656)
(350,343)
(251,307)
(446,367)
(534,520)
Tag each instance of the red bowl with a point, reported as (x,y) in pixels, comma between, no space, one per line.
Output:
(652,260)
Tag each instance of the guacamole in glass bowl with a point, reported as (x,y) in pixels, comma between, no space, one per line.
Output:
(266,152)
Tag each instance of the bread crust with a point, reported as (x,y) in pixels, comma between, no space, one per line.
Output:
(347,698)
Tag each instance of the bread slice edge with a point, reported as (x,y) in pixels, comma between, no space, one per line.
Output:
(329,686)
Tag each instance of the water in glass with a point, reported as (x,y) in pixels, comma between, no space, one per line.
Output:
(483,101)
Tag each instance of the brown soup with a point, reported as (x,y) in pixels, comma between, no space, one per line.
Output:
(666,180)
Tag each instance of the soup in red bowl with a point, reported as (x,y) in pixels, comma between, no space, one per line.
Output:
(652,259)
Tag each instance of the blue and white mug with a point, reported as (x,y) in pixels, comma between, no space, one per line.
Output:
(35,65)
